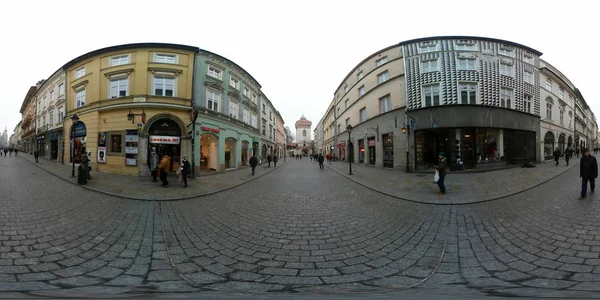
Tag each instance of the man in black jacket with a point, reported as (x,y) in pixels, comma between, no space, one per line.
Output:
(588,172)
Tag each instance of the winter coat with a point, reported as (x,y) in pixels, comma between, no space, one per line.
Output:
(269,158)
(185,167)
(588,167)
(321,158)
(253,161)
(153,161)
(165,164)
(275,158)
(443,166)
(556,154)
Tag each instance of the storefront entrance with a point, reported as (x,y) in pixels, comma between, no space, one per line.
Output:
(372,154)
(208,152)
(388,151)
(165,138)
(548,145)
(53,149)
(78,141)
(361,151)
(230,153)
(245,153)
(429,144)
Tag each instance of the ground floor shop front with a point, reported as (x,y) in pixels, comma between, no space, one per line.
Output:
(50,145)
(474,148)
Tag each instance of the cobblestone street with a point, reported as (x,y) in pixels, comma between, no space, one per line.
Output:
(295,229)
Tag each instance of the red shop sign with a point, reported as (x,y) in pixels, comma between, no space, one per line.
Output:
(158,139)
(210,129)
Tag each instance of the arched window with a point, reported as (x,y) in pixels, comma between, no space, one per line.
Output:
(304,132)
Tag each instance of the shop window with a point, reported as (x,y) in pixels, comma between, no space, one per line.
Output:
(116,144)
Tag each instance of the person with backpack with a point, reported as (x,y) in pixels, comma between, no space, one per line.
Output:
(321,159)
(185,170)
(253,162)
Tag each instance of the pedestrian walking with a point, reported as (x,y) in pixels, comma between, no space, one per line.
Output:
(567,155)
(588,171)
(154,164)
(442,169)
(5,152)
(269,158)
(36,154)
(185,170)
(556,155)
(577,151)
(253,162)
(89,165)
(16,152)
(321,159)
(164,167)
(275,159)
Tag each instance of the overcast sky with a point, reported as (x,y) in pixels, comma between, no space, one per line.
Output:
(298,51)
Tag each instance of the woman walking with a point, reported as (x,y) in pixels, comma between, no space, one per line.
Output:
(442,169)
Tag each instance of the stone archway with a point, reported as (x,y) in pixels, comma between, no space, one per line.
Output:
(163,116)
(230,153)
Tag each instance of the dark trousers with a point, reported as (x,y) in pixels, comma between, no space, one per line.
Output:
(321,166)
(275,164)
(584,181)
(556,159)
(253,169)
(269,165)
(441,184)
(163,177)
(184,174)
(36,158)
(154,174)
(567,159)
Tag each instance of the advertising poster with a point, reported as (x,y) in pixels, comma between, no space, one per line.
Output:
(102,155)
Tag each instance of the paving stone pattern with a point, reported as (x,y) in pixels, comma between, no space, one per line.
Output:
(297,228)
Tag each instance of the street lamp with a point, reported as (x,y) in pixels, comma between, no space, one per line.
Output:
(349,129)
(75,120)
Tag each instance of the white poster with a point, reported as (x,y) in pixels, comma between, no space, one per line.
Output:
(159,139)
(102,154)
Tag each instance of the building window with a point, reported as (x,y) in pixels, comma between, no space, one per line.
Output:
(360,75)
(345,89)
(116,144)
(51,118)
(45,102)
(61,89)
(79,98)
(51,96)
(271,116)
(119,60)
(548,110)
(214,72)
(528,77)
(528,58)
(468,93)
(466,64)
(254,120)
(363,115)
(164,86)
(384,104)
(527,99)
(506,96)
(264,127)
(264,110)
(383,77)
(339,128)
(233,82)
(347,122)
(270,131)
(61,115)
(233,109)
(506,50)
(347,102)
(119,87)
(253,97)
(165,58)
(80,72)
(382,61)
(431,94)
(246,91)
(246,116)
(429,46)
(506,69)
(361,91)
(213,99)
(464,47)
(429,66)
(549,85)
(562,117)
(561,93)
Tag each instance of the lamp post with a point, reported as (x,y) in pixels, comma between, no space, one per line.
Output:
(349,129)
(75,120)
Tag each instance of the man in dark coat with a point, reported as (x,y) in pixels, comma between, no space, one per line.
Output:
(185,170)
(588,172)
(269,158)
(253,162)
(275,159)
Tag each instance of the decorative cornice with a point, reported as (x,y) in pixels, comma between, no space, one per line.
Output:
(83,83)
(164,70)
(119,72)
(214,85)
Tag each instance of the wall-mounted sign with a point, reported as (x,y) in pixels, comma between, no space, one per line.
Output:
(210,129)
(102,139)
(78,130)
(371,143)
(102,154)
(159,139)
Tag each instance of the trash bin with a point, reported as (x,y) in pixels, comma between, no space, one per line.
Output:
(82,175)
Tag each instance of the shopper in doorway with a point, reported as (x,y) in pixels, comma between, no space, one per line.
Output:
(556,155)
(154,164)
(253,162)
(269,158)
(442,169)
(275,159)
(185,170)
(588,171)
(164,168)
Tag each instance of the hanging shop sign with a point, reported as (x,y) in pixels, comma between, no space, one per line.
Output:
(79,130)
(131,147)
(371,143)
(216,130)
(160,139)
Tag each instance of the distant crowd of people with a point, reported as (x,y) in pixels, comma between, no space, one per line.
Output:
(7,152)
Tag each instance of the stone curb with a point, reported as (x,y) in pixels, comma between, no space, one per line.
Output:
(452,202)
(143,199)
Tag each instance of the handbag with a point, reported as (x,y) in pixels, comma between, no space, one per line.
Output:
(436,176)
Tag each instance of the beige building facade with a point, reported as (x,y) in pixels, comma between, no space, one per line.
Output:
(50,112)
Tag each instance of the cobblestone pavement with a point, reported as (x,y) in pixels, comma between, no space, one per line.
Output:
(296,229)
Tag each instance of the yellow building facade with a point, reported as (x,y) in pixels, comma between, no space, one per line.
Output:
(125,100)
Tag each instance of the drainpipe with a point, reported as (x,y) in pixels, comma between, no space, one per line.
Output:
(195,114)
(406,119)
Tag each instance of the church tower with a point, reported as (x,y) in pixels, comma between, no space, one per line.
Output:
(303,135)
(4,138)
